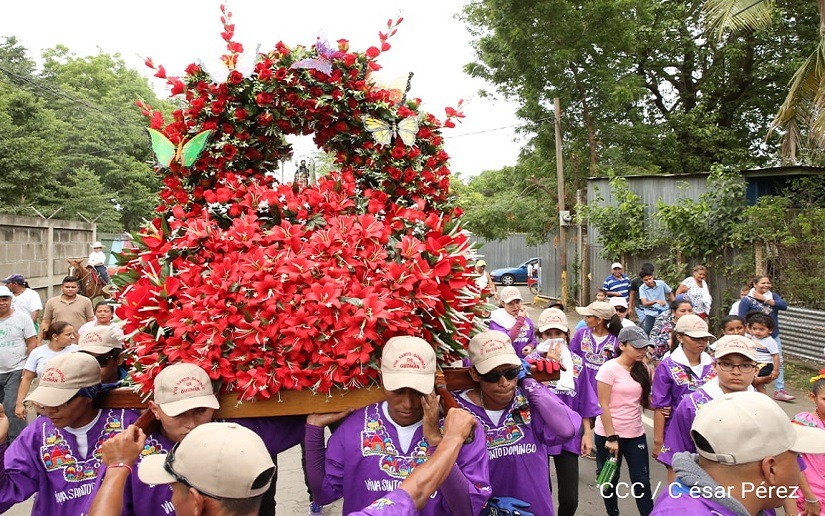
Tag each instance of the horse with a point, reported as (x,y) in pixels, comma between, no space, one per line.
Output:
(88,279)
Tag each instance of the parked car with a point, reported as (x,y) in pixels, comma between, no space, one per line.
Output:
(513,275)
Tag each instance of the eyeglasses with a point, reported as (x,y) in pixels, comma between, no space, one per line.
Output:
(743,368)
(495,376)
(168,466)
(621,309)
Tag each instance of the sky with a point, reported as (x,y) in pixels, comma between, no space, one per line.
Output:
(430,42)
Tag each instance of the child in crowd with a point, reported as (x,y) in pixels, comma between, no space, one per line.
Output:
(577,393)
(760,327)
(601,295)
(733,325)
(513,320)
(814,472)
(735,369)
(743,292)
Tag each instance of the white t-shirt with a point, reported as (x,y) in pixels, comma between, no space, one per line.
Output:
(405,433)
(27,302)
(97,258)
(14,330)
(42,354)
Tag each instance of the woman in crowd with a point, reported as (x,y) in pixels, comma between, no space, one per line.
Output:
(661,336)
(513,320)
(696,289)
(104,314)
(515,409)
(686,369)
(577,393)
(623,390)
(61,340)
(760,298)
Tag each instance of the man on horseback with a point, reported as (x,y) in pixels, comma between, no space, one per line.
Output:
(97,259)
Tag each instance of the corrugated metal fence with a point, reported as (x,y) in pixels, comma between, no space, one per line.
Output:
(802,332)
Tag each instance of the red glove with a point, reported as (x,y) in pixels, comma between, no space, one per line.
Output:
(546,365)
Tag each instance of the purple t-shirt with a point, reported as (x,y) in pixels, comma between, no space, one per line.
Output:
(677,499)
(396,503)
(363,461)
(278,434)
(45,460)
(593,353)
(518,444)
(674,380)
(583,400)
(677,435)
(526,335)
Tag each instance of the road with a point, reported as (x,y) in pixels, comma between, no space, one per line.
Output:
(292,496)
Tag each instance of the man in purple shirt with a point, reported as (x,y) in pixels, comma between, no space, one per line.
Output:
(378,446)
(58,455)
(183,399)
(522,420)
(735,368)
(747,460)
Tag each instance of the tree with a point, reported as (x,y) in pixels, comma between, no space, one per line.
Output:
(801,119)
(85,196)
(641,87)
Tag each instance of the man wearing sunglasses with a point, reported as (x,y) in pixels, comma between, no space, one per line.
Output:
(522,419)
(378,446)
(58,455)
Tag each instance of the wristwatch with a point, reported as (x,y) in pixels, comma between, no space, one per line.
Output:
(613,438)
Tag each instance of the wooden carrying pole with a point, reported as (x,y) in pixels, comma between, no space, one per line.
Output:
(292,403)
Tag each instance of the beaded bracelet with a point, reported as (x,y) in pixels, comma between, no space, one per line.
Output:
(120,465)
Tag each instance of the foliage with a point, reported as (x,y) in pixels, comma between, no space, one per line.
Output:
(272,286)
(83,193)
(792,230)
(622,227)
(517,199)
(700,230)
(80,117)
(642,88)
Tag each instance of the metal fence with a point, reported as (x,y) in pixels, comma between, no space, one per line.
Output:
(802,331)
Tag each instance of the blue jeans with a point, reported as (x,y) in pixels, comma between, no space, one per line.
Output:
(103,273)
(9,385)
(779,383)
(635,451)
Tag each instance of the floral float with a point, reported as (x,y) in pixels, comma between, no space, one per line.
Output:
(272,286)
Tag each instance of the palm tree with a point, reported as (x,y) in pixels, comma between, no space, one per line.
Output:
(801,119)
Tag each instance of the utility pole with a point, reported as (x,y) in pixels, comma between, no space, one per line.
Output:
(560,181)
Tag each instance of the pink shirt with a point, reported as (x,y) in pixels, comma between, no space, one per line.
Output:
(625,407)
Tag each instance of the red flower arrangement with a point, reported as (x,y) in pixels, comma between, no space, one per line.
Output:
(269,286)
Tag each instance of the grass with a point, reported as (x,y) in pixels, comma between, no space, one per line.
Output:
(798,372)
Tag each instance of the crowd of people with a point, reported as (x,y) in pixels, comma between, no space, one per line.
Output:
(714,429)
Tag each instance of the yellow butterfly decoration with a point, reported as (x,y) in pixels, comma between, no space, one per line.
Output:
(383,132)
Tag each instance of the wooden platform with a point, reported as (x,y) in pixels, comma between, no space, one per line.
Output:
(291,403)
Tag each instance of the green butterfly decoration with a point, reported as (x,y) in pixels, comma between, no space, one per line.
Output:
(186,154)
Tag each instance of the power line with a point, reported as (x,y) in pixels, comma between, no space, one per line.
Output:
(525,124)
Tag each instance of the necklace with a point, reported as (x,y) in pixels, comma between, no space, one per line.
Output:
(481,398)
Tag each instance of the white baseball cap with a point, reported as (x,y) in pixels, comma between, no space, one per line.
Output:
(408,362)
(616,265)
(181,387)
(490,349)
(99,340)
(96,245)
(743,427)
(509,294)
(692,325)
(552,318)
(618,301)
(5,291)
(63,376)
(221,460)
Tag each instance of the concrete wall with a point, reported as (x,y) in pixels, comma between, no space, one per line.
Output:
(37,248)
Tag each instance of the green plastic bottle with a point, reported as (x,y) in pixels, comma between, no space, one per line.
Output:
(608,472)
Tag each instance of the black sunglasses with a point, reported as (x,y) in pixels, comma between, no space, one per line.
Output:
(167,465)
(495,376)
(621,309)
